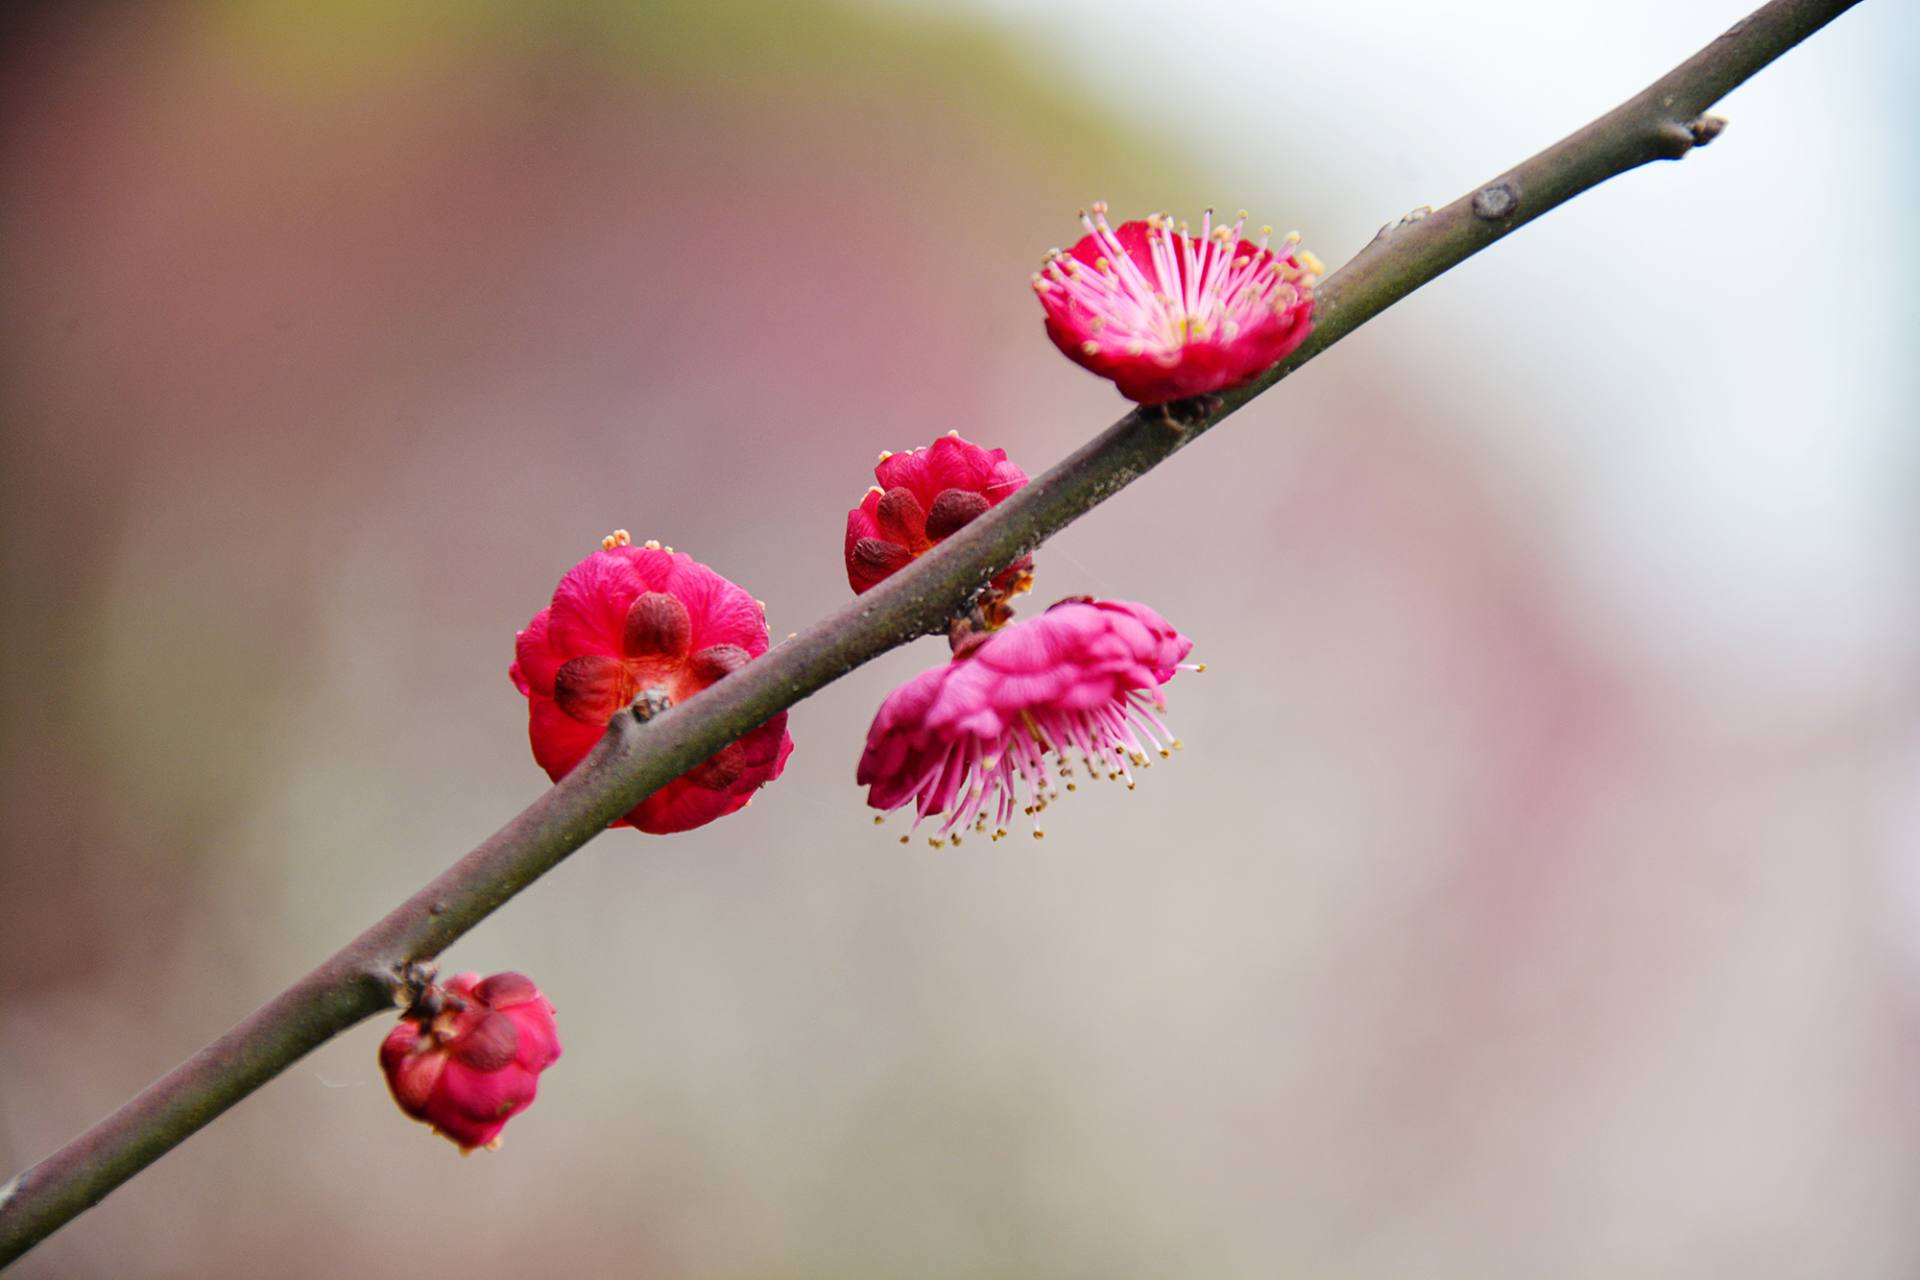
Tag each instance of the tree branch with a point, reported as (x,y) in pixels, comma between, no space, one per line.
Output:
(633,760)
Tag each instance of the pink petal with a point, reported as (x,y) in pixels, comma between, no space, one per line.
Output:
(589,612)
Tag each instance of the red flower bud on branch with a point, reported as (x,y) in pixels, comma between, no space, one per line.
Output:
(923,498)
(468,1056)
(645,628)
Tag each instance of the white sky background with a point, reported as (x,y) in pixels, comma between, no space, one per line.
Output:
(1702,374)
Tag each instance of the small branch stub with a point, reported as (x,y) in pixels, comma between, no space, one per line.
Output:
(1704,129)
(410,982)
(649,703)
(1676,139)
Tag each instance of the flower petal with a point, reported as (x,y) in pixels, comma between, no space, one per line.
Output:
(589,612)
(559,741)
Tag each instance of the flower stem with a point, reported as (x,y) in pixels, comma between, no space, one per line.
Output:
(1663,122)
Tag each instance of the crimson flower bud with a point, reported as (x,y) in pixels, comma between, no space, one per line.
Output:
(924,497)
(641,629)
(468,1056)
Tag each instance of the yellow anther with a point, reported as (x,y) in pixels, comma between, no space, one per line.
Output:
(618,538)
(1099,206)
(652,544)
(1039,835)
(1090,347)
(885,454)
(1311,262)
(879,818)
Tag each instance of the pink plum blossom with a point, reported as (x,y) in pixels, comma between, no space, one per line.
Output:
(1084,676)
(1168,315)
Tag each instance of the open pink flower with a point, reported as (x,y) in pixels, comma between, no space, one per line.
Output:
(924,496)
(468,1057)
(1084,676)
(645,623)
(1168,315)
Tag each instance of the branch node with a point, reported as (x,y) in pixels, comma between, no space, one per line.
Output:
(1676,139)
(1704,129)
(406,983)
(1194,411)
(1496,201)
(649,703)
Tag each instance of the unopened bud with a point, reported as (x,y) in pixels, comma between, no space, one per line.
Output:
(467,1057)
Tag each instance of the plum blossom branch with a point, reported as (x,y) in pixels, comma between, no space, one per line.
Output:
(633,760)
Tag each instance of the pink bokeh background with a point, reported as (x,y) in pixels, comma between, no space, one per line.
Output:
(1536,894)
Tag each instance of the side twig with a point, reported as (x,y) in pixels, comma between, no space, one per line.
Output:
(1663,122)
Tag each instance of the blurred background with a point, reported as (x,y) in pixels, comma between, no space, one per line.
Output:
(1539,892)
